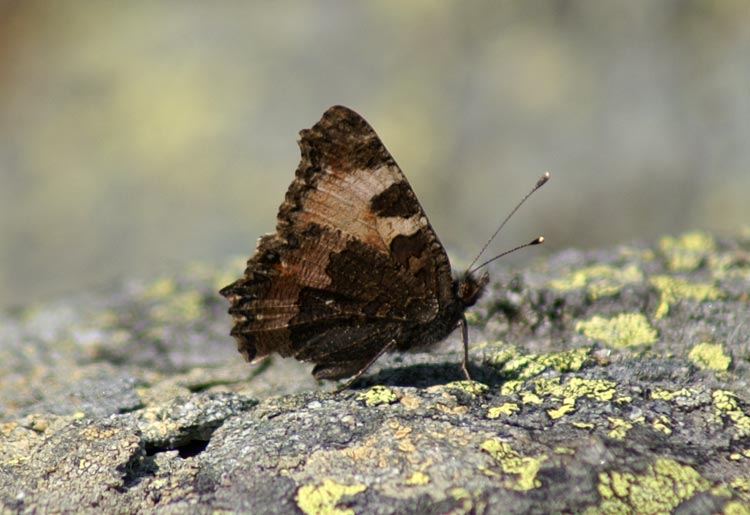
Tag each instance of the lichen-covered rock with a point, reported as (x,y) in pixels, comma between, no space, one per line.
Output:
(610,381)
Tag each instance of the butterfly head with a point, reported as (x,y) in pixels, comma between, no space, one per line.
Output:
(470,287)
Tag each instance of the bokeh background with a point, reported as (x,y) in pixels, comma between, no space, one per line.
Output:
(142,135)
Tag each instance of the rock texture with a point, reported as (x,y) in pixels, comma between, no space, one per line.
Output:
(607,382)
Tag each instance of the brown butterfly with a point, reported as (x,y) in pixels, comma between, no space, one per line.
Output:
(354,268)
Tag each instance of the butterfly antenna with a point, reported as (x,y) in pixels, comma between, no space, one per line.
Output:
(539,183)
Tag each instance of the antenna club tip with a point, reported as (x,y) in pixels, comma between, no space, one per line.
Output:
(542,180)
(538,241)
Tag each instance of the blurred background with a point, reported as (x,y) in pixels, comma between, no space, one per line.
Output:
(139,136)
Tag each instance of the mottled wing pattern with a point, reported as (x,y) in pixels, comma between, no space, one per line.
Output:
(352,261)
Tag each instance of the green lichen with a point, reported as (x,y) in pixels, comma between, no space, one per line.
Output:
(662,487)
(378,395)
(675,289)
(508,408)
(525,469)
(598,280)
(625,330)
(688,251)
(710,356)
(728,407)
(322,499)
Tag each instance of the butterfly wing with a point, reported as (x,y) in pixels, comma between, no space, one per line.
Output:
(353,260)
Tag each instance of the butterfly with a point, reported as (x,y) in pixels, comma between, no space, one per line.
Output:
(354,269)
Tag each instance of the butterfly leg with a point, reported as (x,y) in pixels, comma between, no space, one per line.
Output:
(390,346)
(465,334)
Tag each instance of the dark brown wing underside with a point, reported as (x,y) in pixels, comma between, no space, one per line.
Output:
(352,261)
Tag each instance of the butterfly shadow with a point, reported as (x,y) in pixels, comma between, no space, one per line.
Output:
(424,375)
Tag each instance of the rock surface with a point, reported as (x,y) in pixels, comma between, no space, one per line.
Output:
(612,381)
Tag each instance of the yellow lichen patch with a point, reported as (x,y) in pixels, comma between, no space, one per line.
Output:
(618,428)
(501,354)
(625,330)
(378,395)
(669,395)
(418,479)
(665,485)
(736,508)
(688,251)
(530,398)
(546,387)
(470,387)
(511,387)
(741,484)
(567,407)
(727,406)
(504,409)
(735,456)
(674,289)
(710,356)
(530,365)
(522,367)
(584,425)
(322,499)
(566,361)
(730,267)
(663,424)
(577,387)
(574,389)
(598,280)
(524,468)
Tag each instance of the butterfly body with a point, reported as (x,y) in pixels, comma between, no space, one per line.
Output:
(354,267)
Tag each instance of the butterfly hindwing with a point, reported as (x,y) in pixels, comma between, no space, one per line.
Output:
(353,263)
